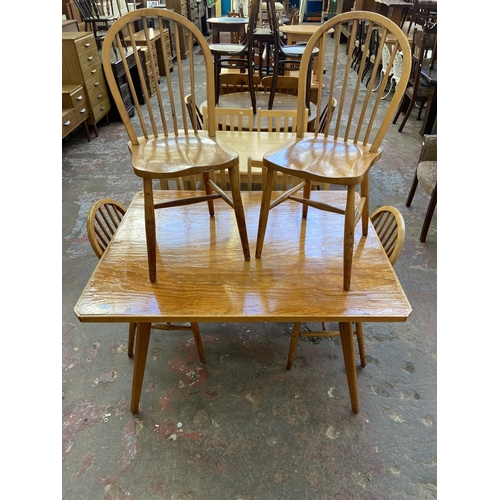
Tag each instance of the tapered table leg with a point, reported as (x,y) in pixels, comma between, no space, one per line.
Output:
(347,340)
(141,353)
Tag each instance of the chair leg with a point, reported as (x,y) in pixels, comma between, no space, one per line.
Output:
(131,338)
(412,190)
(208,190)
(360,336)
(349,236)
(197,340)
(149,215)
(307,195)
(293,345)
(264,211)
(239,210)
(428,215)
(407,115)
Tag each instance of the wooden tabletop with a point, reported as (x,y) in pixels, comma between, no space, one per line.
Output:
(202,275)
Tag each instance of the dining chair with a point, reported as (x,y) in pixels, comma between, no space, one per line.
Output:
(103,219)
(284,84)
(389,226)
(345,156)
(287,57)
(229,83)
(416,90)
(94,18)
(162,142)
(237,56)
(426,174)
(421,13)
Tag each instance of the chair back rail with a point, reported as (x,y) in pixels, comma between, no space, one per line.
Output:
(358,108)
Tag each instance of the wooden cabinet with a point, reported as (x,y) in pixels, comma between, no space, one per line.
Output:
(81,65)
(74,109)
(181,7)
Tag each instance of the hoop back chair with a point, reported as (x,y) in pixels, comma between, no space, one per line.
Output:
(345,156)
(426,174)
(237,55)
(390,228)
(103,219)
(162,143)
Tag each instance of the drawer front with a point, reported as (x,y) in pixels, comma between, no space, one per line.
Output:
(69,121)
(88,59)
(102,108)
(78,98)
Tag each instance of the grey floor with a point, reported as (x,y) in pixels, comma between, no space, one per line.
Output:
(241,426)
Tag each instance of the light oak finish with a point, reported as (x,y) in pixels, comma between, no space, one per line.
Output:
(299,279)
(162,143)
(81,66)
(103,220)
(346,156)
(389,226)
(236,82)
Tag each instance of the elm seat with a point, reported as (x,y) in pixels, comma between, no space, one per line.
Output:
(344,156)
(163,142)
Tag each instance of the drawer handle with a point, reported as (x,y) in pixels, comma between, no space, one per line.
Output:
(83,110)
(86,44)
(67,123)
(90,58)
(102,107)
(79,98)
(99,96)
(93,71)
(96,84)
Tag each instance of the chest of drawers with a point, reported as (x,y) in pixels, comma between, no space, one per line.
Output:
(81,65)
(74,109)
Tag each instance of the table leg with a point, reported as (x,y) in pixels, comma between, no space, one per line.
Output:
(141,352)
(347,340)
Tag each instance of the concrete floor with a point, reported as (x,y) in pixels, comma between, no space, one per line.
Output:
(241,426)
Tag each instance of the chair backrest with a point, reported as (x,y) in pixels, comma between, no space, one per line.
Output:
(231,118)
(164,113)
(236,82)
(418,52)
(103,220)
(194,112)
(235,36)
(285,84)
(326,116)
(277,120)
(360,117)
(390,228)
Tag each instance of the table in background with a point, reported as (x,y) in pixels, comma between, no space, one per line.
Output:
(206,279)
(395,10)
(227,25)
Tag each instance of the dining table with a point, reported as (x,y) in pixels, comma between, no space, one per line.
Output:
(227,24)
(202,276)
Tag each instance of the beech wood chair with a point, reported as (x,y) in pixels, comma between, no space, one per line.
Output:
(390,228)
(426,174)
(346,156)
(103,219)
(236,82)
(162,142)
